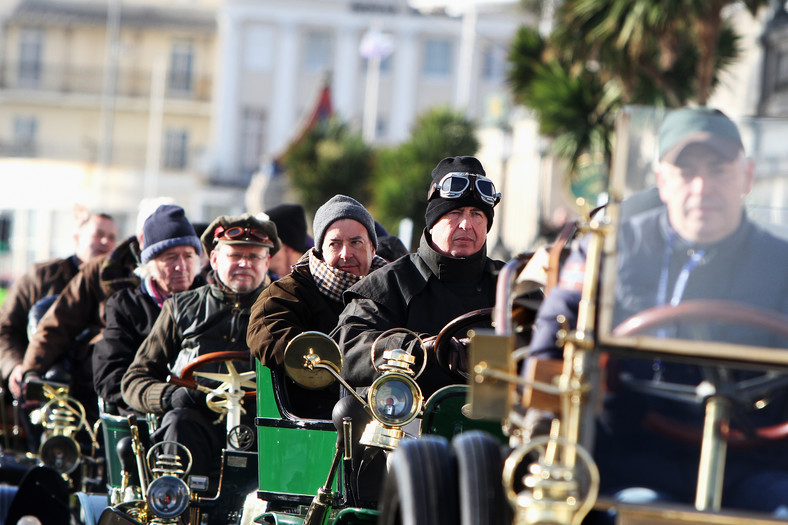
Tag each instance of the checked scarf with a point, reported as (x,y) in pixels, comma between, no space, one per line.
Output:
(332,282)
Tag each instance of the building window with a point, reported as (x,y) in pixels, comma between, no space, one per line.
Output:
(176,142)
(252,135)
(494,64)
(31,44)
(181,66)
(437,58)
(317,51)
(24,136)
(781,77)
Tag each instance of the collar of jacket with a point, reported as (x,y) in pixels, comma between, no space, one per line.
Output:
(452,269)
(227,296)
(731,243)
(117,268)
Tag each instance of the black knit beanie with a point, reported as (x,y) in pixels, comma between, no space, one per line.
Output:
(438,207)
(290,223)
(166,228)
(341,207)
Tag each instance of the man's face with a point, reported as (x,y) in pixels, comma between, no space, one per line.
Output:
(703,193)
(460,232)
(98,236)
(241,267)
(346,246)
(282,260)
(174,269)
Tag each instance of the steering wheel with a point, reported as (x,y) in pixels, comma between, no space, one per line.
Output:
(230,379)
(442,346)
(716,311)
(703,310)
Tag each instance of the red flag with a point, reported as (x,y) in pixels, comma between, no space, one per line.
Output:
(323,110)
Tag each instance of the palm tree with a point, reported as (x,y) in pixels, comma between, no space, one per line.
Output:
(607,53)
(656,41)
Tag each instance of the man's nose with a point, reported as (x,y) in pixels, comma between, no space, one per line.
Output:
(701,181)
(343,253)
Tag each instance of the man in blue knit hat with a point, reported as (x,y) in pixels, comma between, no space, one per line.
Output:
(169,263)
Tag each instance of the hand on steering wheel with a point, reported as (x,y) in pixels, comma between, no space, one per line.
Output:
(450,347)
(231,381)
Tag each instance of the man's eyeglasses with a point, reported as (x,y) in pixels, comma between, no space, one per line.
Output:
(238,233)
(252,258)
(455,185)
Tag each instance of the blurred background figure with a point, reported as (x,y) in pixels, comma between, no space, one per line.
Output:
(96,235)
(290,221)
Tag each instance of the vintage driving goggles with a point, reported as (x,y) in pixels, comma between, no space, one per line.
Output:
(237,233)
(456,184)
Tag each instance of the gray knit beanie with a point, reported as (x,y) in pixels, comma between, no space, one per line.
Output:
(341,207)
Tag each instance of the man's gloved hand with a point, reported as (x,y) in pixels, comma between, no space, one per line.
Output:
(183,397)
(457,353)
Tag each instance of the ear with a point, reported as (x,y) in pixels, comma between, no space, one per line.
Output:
(213,258)
(749,174)
(659,173)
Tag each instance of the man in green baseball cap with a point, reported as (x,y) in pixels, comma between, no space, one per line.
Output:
(700,245)
(702,174)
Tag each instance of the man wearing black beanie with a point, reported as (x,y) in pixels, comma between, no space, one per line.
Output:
(290,220)
(449,275)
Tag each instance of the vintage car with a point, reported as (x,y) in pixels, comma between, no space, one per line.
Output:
(68,460)
(300,471)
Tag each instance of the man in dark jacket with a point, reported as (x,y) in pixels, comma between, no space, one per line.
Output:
(96,235)
(290,220)
(310,297)
(682,251)
(448,276)
(212,318)
(170,263)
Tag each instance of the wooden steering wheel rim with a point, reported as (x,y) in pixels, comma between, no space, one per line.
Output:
(716,311)
(187,374)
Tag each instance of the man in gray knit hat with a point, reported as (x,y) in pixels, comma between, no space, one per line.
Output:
(310,297)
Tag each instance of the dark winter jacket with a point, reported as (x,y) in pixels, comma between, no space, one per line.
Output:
(421,291)
(194,323)
(130,316)
(80,306)
(288,307)
(40,281)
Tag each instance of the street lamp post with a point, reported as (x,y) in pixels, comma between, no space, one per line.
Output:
(375,46)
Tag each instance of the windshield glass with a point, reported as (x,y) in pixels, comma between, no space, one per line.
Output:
(698,247)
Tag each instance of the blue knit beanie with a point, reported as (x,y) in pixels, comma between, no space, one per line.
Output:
(166,228)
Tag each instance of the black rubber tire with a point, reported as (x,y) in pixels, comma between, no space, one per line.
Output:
(421,487)
(479,477)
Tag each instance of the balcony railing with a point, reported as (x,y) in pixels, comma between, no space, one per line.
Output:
(131,82)
(131,156)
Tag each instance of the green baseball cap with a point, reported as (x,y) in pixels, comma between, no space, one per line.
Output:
(700,125)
